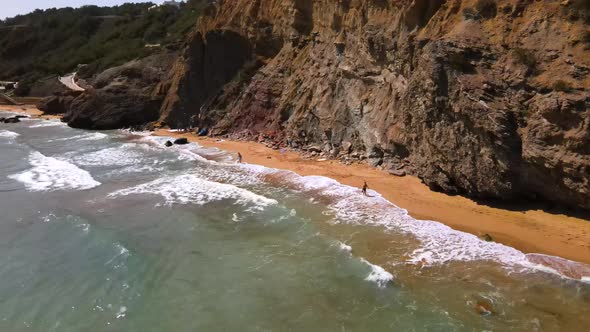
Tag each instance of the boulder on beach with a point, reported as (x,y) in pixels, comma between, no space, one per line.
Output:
(13,119)
(168,144)
(181,141)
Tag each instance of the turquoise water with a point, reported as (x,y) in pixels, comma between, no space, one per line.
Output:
(111,231)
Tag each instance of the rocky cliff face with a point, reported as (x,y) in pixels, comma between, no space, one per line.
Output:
(483,98)
(120,97)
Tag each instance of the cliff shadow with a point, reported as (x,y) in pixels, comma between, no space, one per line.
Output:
(524,205)
(211,61)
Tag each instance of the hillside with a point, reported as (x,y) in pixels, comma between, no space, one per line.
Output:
(56,41)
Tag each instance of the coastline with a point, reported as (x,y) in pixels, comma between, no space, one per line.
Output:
(528,230)
(31,110)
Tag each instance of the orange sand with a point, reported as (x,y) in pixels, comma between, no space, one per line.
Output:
(531,231)
(31,110)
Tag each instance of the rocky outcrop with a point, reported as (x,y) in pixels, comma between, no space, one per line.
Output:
(483,98)
(120,97)
(57,103)
(13,119)
(181,141)
(111,110)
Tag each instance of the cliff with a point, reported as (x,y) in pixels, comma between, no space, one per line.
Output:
(483,98)
(477,97)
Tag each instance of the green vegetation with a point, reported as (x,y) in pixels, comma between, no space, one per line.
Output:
(55,41)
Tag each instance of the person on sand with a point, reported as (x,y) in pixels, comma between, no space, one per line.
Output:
(239,158)
(365,187)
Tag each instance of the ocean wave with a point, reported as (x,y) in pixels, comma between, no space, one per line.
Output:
(343,247)
(49,174)
(48,123)
(122,155)
(82,137)
(191,189)
(8,134)
(378,275)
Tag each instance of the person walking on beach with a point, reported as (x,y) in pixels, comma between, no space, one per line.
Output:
(239,158)
(365,187)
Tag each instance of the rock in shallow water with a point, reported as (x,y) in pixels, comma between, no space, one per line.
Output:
(181,141)
(13,119)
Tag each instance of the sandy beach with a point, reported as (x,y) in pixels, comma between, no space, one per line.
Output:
(529,230)
(29,110)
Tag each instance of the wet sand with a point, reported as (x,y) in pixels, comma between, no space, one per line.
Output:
(529,230)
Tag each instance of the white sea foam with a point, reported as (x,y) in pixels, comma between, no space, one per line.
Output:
(122,155)
(122,253)
(344,247)
(93,136)
(378,275)
(439,243)
(48,123)
(8,134)
(48,174)
(122,312)
(189,188)
(82,137)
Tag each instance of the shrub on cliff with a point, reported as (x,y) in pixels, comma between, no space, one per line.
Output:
(486,8)
(562,86)
(55,41)
(525,57)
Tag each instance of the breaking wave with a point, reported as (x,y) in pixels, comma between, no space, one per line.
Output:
(190,188)
(48,174)
(8,134)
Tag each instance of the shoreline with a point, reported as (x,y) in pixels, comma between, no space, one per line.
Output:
(31,110)
(528,230)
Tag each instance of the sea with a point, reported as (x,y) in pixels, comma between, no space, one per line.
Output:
(113,231)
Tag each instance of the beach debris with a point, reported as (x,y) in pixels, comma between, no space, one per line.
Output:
(181,141)
(487,237)
(168,143)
